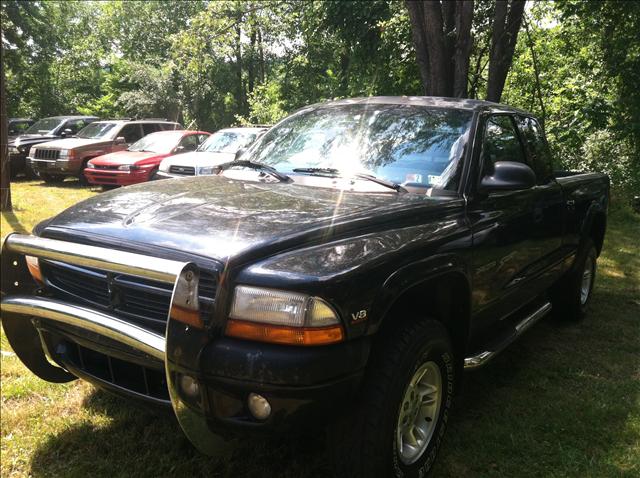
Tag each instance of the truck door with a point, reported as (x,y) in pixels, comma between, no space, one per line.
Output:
(549,206)
(504,225)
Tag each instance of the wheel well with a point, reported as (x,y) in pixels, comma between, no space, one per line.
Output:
(596,232)
(445,298)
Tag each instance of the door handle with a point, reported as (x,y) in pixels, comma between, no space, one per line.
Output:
(571,205)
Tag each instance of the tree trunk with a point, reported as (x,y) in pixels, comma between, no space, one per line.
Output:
(416,16)
(240,86)
(442,39)
(5,173)
(252,58)
(261,53)
(506,24)
(462,48)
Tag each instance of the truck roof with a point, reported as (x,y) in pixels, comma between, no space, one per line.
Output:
(434,101)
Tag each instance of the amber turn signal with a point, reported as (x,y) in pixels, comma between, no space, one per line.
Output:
(186,316)
(279,334)
(34,269)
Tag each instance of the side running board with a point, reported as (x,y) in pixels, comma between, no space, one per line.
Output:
(482,358)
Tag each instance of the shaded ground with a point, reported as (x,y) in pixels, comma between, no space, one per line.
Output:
(563,401)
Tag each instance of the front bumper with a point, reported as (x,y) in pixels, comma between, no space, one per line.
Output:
(63,167)
(115,177)
(300,383)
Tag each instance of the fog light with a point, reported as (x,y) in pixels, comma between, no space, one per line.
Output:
(259,406)
(189,386)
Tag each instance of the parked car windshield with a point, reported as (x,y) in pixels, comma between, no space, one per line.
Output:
(406,144)
(44,126)
(227,142)
(96,130)
(162,143)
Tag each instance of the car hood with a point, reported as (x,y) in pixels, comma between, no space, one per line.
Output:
(32,139)
(72,143)
(124,157)
(218,218)
(196,159)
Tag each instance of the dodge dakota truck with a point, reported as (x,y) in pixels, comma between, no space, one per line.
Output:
(345,271)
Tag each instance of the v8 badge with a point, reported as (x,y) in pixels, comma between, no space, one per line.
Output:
(359,316)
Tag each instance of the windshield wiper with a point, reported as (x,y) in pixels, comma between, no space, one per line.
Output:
(258,166)
(367,177)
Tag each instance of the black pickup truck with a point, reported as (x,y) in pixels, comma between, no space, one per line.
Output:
(346,269)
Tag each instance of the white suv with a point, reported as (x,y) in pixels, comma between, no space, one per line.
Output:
(221,147)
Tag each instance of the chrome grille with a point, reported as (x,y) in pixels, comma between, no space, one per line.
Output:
(185,170)
(142,301)
(46,153)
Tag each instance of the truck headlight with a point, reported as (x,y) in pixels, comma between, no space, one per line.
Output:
(64,154)
(206,170)
(293,318)
(90,165)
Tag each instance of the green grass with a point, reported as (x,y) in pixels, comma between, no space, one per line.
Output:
(562,402)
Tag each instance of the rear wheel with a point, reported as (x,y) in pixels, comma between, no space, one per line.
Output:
(571,296)
(405,400)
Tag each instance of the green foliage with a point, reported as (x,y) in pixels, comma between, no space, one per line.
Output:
(213,64)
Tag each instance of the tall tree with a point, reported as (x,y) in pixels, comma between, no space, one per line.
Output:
(5,173)
(506,24)
(443,43)
(442,39)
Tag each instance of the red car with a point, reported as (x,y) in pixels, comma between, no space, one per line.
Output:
(140,161)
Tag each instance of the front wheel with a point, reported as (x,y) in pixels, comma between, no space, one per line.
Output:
(51,178)
(404,406)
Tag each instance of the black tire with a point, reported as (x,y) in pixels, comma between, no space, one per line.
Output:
(51,178)
(82,179)
(568,295)
(365,444)
(30,173)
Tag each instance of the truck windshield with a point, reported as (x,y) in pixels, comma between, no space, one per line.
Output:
(96,130)
(227,142)
(404,144)
(44,126)
(162,143)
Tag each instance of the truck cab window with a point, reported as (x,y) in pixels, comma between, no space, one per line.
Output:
(131,133)
(500,143)
(538,149)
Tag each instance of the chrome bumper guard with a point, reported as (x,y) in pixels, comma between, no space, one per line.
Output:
(179,349)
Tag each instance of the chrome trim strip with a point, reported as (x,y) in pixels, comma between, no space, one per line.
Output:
(480,359)
(111,260)
(145,341)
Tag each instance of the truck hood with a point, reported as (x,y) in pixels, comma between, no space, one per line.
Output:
(124,157)
(218,218)
(72,143)
(196,159)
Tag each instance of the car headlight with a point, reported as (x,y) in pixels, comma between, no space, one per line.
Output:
(64,154)
(164,167)
(293,318)
(13,150)
(90,165)
(128,167)
(206,170)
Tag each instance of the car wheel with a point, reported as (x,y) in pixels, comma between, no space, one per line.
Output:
(81,177)
(51,178)
(570,297)
(30,173)
(405,401)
